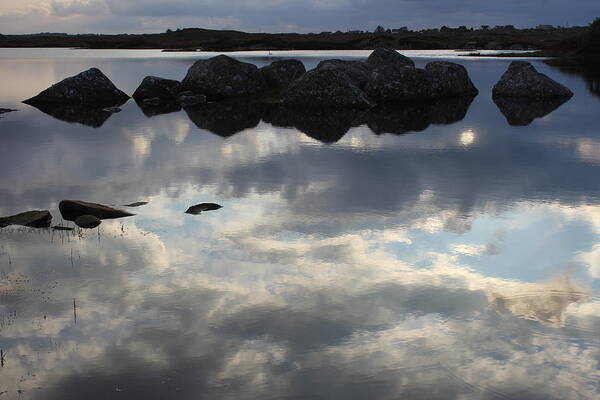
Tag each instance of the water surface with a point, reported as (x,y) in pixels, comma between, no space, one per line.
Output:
(449,251)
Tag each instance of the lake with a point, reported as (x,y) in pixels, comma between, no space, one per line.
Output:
(446,251)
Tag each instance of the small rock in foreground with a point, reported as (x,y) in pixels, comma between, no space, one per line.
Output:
(198,208)
(33,219)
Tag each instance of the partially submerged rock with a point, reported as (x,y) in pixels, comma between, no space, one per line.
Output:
(521,79)
(391,84)
(222,76)
(71,209)
(357,71)
(326,88)
(153,87)
(33,219)
(87,221)
(385,57)
(282,72)
(198,208)
(520,111)
(449,79)
(88,87)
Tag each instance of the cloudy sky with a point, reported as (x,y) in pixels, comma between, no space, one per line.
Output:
(132,16)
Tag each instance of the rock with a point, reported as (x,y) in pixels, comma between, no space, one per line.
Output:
(283,72)
(112,110)
(88,87)
(160,90)
(520,111)
(6,110)
(325,88)
(385,57)
(33,219)
(391,84)
(62,228)
(189,99)
(87,221)
(357,71)
(71,209)
(222,76)
(136,204)
(198,208)
(523,80)
(450,79)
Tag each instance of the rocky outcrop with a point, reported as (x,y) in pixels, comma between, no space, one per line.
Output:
(222,76)
(357,71)
(521,111)
(87,221)
(283,72)
(72,209)
(449,79)
(392,84)
(385,57)
(161,89)
(90,87)
(325,88)
(33,219)
(199,208)
(521,79)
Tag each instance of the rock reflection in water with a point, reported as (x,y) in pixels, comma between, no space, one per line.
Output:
(152,109)
(523,111)
(83,114)
(226,118)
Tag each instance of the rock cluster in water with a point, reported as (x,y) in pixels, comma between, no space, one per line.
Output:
(522,80)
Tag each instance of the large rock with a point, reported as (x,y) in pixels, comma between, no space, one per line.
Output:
(450,80)
(153,87)
(357,71)
(391,84)
(88,87)
(325,88)
(222,76)
(34,219)
(72,209)
(523,80)
(385,57)
(283,72)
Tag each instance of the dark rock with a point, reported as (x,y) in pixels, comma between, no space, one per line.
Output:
(226,118)
(222,76)
(523,80)
(391,84)
(198,208)
(450,79)
(158,89)
(88,115)
(283,72)
(87,221)
(325,88)
(71,209)
(62,228)
(33,219)
(136,204)
(327,125)
(521,111)
(357,71)
(385,57)
(189,99)
(88,87)
(6,110)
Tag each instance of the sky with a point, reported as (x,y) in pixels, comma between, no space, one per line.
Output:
(142,16)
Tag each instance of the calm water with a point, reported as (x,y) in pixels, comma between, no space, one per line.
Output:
(439,252)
